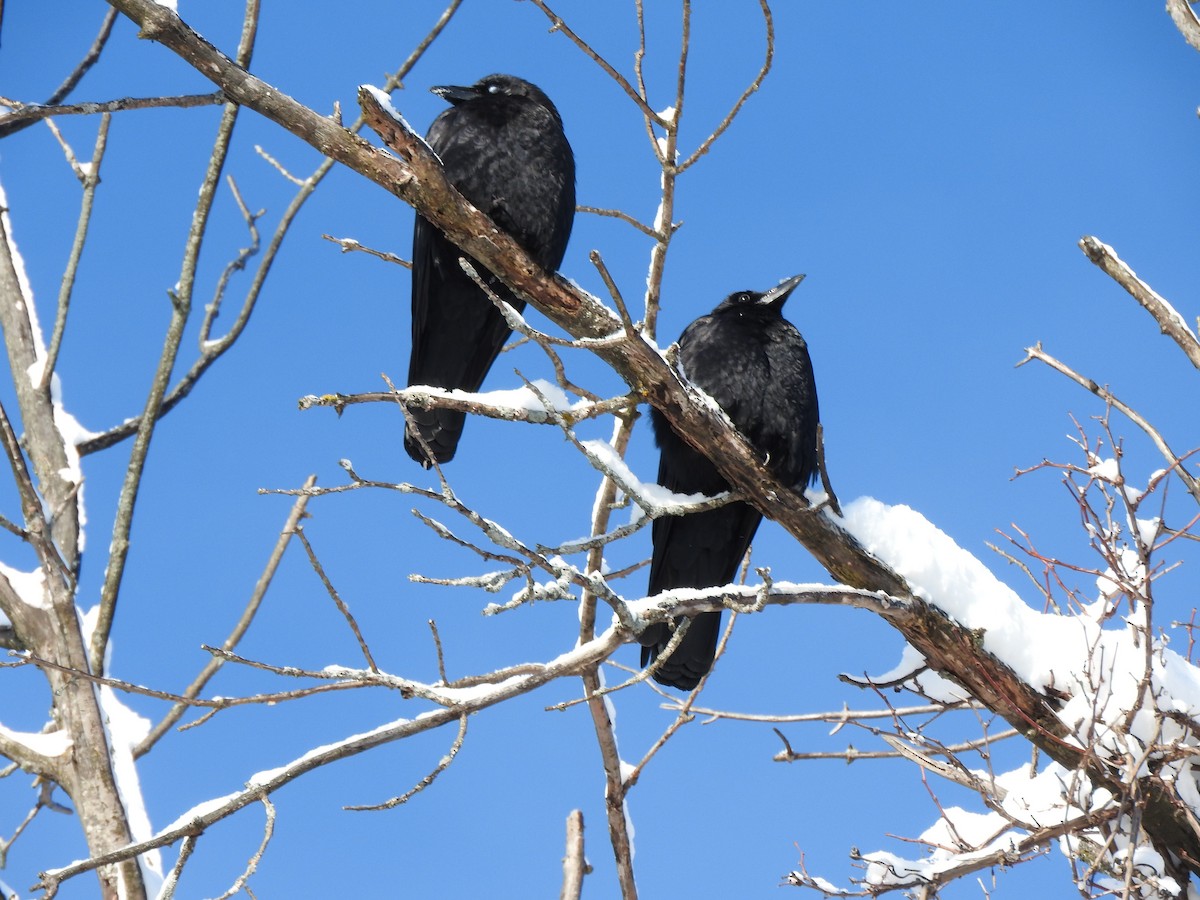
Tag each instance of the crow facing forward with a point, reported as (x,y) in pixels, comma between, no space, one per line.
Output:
(755,364)
(503,147)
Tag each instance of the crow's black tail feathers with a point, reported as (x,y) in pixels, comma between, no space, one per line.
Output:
(440,429)
(692,658)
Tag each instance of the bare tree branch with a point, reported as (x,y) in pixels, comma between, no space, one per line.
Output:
(476,404)
(181,307)
(91,180)
(417,178)
(1185,19)
(606,738)
(575,864)
(570,663)
(23,114)
(442,766)
(53,525)
(754,85)
(1169,321)
(349,245)
(212,352)
(1172,458)
(639,99)
(336,598)
(73,79)
(256,597)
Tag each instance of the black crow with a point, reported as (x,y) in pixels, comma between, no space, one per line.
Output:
(755,364)
(503,147)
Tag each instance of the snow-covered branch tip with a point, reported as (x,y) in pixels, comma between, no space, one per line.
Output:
(1170,322)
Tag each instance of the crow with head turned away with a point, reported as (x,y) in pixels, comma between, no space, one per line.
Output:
(503,147)
(755,364)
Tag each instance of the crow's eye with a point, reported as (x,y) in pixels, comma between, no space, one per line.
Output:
(493,88)
(743,297)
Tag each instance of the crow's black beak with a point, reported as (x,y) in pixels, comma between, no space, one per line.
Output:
(453,93)
(779,294)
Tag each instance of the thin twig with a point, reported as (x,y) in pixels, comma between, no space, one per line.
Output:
(349,245)
(613,291)
(557,24)
(684,714)
(186,849)
(68,153)
(617,214)
(73,79)
(768,56)
(5,844)
(279,167)
(237,264)
(336,598)
(616,787)
(1036,352)
(214,664)
(90,181)
(442,766)
(180,315)
(437,643)
(215,705)
(840,716)
(252,864)
(25,114)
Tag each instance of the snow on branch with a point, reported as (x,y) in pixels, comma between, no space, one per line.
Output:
(456,704)
(1126,707)
(512,405)
(1186,21)
(1169,321)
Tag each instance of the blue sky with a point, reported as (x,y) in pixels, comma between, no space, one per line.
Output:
(929,167)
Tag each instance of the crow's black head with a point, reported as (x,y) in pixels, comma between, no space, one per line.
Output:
(769,301)
(495,87)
